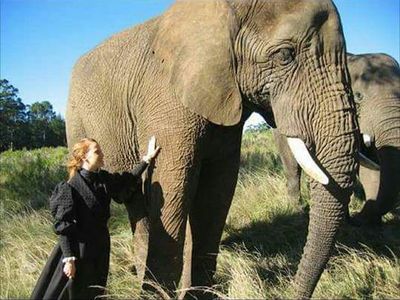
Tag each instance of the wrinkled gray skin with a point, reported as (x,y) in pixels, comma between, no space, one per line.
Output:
(191,77)
(376,87)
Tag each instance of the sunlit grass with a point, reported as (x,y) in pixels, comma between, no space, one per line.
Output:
(260,249)
(26,242)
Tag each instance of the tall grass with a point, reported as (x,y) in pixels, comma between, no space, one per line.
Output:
(363,273)
(26,242)
(259,153)
(261,246)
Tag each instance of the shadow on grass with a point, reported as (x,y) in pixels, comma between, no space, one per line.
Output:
(384,240)
(286,235)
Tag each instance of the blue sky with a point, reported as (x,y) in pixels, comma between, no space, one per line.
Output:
(42,39)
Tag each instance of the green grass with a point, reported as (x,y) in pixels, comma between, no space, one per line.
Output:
(27,178)
(260,249)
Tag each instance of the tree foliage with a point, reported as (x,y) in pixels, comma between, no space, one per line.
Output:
(27,126)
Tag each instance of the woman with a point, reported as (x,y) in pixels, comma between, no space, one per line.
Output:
(78,266)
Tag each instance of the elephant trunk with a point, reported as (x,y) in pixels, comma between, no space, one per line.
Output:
(327,209)
(336,147)
(326,215)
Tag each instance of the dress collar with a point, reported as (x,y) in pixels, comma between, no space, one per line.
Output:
(91,176)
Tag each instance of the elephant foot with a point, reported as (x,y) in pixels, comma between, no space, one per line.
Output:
(368,216)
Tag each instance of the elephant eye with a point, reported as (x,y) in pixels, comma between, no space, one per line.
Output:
(285,55)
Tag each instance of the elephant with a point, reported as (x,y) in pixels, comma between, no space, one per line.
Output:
(376,87)
(191,77)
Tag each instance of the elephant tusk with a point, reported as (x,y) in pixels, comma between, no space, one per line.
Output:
(367,139)
(305,160)
(366,162)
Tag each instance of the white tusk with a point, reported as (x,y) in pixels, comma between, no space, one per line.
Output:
(367,139)
(305,160)
(366,162)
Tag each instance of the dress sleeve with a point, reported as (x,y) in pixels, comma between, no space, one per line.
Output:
(120,186)
(64,213)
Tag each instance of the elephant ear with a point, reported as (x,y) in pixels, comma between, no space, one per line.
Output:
(194,41)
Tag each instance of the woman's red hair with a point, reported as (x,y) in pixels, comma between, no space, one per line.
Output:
(79,151)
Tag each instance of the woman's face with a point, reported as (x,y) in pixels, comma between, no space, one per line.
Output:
(94,157)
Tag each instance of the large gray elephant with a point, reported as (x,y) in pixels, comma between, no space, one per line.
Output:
(376,87)
(191,77)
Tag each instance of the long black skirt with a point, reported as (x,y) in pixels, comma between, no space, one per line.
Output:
(88,283)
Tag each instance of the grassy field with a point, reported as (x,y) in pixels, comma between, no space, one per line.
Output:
(260,250)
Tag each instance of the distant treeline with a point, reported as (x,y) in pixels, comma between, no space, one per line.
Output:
(27,126)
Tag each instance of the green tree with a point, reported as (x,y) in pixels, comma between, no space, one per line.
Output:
(12,117)
(57,134)
(29,126)
(40,116)
(41,111)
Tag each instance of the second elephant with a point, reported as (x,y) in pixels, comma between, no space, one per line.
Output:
(376,87)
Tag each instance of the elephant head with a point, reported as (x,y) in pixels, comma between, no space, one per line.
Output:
(376,86)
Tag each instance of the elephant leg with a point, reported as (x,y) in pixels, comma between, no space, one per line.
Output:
(290,166)
(207,219)
(293,175)
(370,182)
(389,188)
(381,188)
(159,237)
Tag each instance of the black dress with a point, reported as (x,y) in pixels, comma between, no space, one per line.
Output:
(81,211)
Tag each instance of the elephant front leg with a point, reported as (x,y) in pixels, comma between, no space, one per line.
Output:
(381,187)
(207,219)
(369,179)
(290,166)
(159,238)
(370,182)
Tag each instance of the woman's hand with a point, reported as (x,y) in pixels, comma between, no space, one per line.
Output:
(152,151)
(69,269)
